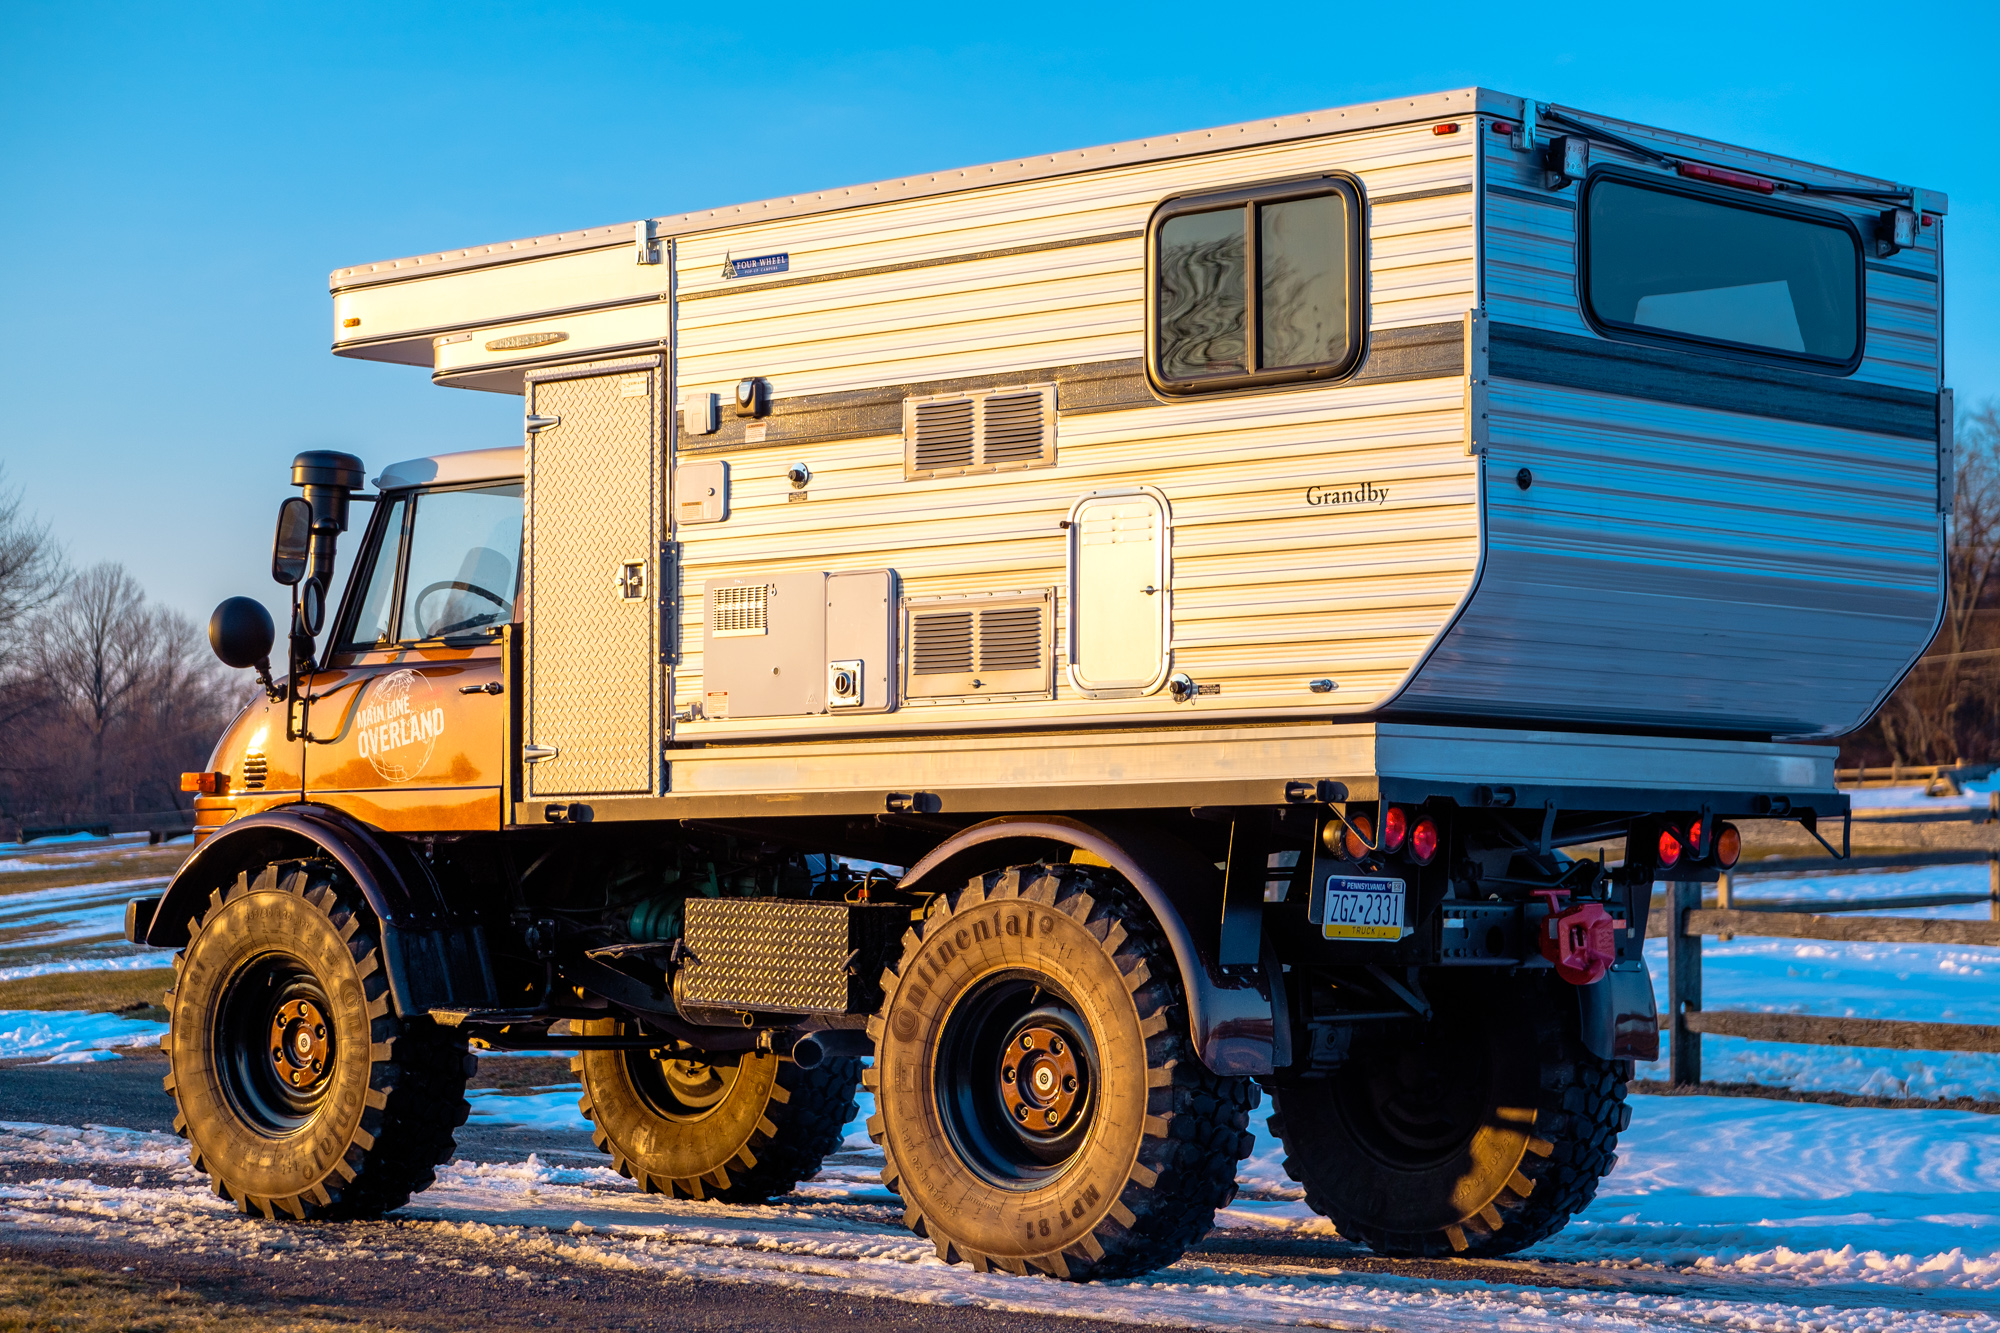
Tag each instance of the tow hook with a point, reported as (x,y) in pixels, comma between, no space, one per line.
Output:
(1580,940)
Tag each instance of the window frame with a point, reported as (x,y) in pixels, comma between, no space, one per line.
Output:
(1242,197)
(357,578)
(1645,334)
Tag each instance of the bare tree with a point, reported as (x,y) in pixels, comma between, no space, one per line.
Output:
(92,649)
(1946,710)
(31,573)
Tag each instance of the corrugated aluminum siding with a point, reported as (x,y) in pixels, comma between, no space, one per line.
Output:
(1688,566)
(1268,591)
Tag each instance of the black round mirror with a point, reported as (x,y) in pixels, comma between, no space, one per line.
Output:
(241,632)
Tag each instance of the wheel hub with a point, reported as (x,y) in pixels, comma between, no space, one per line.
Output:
(301,1044)
(1040,1080)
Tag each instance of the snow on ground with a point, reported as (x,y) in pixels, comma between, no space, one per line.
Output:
(69,1036)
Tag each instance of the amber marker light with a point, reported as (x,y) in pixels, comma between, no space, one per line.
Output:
(1360,829)
(1424,841)
(1728,845)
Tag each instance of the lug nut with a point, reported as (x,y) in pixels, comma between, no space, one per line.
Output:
(1069,1083)
(1021,1114)
(1056,1046)
(1050,1116)
(1027,1041)
(1007,1074)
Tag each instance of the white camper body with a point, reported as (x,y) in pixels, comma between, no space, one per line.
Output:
(967,538)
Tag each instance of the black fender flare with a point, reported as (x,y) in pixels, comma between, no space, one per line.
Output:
(433,955)
(1238,1026)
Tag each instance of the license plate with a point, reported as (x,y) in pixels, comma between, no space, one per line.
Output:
(1347,908)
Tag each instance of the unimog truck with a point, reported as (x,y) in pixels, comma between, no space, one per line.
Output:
(1071,647)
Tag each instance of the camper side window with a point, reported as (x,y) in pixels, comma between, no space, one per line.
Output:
(1255,286)
(1674,264)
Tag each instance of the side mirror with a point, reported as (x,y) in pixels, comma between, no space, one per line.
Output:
(293,543)
(241,633)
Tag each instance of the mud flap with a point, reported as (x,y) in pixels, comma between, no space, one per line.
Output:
(1621,1020)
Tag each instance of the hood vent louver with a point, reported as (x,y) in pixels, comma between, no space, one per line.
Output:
(992,430)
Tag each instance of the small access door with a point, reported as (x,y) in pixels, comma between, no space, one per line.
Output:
(1120,611)
(592,662)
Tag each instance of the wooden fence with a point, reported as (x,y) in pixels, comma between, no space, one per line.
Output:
(1688,919)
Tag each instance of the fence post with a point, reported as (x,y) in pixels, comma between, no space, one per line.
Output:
(1993,889)
(1724,899)
(1683,984)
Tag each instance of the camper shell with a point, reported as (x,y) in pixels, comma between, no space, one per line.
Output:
(1216,574)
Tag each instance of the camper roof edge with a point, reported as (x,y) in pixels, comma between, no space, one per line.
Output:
(1187,143)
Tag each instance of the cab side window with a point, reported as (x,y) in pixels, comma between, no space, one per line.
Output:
(464,567)
(446,563)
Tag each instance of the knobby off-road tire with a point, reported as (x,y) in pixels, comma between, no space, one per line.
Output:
(300,1094)
(743,1130)
(1481,1137)
(1038,1100)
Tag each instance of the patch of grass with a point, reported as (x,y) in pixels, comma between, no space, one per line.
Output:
(522,1071)
(144,863)
(38,1298)
(134,994)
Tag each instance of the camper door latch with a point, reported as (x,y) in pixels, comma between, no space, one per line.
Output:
(631,581)
(535,425)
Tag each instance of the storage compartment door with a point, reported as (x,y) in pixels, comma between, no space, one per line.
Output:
(592,665)
(1119,601)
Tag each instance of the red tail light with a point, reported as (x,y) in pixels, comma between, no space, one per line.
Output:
(1360,832)
(1728,845)
(1424,841)
(1670,848)
(1395,825)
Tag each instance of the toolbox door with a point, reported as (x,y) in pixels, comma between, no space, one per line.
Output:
(1120,611)
(592,666)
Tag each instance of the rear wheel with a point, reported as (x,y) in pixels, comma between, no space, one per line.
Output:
(298,1091)
(742,1128)
(1481,1136)
(1039,1103)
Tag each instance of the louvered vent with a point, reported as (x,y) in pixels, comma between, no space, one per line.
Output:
(987,431)
(739,611)
(943,436)
(256,767)
(980,647)
(941,643)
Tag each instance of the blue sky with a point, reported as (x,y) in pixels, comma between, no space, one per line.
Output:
(178,180)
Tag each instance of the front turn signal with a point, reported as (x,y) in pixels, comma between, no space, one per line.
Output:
(206,784)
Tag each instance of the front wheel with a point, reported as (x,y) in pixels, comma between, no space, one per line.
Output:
(1039,1103)
(1480,1136)
(298,1091)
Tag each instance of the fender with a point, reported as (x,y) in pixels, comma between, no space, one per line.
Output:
(433,956)
(1238,1027)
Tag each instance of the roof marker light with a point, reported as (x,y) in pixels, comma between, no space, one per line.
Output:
(1449,127)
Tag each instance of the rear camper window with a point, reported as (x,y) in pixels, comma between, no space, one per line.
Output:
(1666,263)
(1255,286)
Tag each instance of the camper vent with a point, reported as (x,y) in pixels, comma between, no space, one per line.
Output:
(739,611)
(980,647)
(987,431)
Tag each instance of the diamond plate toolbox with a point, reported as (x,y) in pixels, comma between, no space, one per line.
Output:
(787,955)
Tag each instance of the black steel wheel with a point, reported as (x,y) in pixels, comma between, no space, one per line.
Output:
(740,1127)
(1480,1136)
(1038,1100)
(300,1094)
